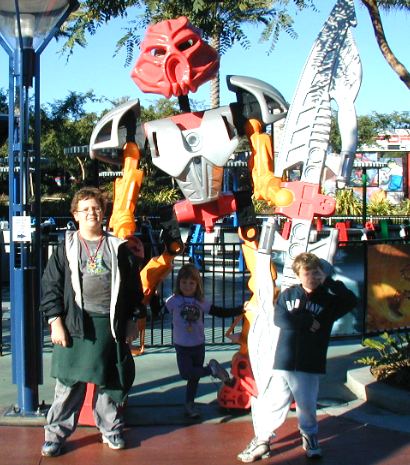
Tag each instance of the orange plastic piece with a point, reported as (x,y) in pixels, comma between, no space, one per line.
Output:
(287,227)
(126,190)
(152,274)
(342,227)
(265,185)
(308,202)
(238,395)
(86,417)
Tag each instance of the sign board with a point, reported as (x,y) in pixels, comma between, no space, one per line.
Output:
(21,229)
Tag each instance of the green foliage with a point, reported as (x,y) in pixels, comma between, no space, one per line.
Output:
(392,360)
(369,127)
(152,199)
(388,122)
(347,203)
(262,207)
(4,107)
(160,108)
(57,206)
(66,123)
(380,207)
(223,19)
(403,208)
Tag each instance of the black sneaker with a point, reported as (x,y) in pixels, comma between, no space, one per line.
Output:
(114,441)
(51,449)
(311,446)
(191,411)
(218,371)
(255,450)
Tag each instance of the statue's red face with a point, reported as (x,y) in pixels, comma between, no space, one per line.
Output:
(174,59)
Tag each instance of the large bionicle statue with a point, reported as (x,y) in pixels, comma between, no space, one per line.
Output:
(193,148)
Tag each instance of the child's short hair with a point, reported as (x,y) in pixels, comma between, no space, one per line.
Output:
(190,271)
(306,260)
(88,193)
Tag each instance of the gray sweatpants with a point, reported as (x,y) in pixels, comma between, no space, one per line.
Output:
(62,418)
(270,409)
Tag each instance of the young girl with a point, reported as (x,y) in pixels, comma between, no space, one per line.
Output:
(188,307)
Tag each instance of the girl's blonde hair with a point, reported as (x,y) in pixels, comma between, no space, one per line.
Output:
(190,271)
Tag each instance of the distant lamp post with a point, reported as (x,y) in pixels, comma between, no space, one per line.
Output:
(26,27)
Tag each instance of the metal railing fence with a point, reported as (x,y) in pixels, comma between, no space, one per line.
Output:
(226,284)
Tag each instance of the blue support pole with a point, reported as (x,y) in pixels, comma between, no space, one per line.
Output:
(24,263)
(24,46)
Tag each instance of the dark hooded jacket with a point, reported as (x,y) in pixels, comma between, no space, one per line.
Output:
(61,287)
(299,348)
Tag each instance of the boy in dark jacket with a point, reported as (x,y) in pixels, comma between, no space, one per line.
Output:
(304,314)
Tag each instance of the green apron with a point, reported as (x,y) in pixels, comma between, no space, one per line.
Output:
(97,358)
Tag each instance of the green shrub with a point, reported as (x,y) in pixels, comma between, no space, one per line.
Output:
(403,208)
(262,207)
(392,363)
(380,207)
(347,203)
(150,200)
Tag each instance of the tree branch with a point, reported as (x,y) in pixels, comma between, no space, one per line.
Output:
(388,54)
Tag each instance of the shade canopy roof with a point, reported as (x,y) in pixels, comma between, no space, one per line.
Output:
(29,22)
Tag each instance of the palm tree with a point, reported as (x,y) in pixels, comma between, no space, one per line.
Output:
(373,7)
(221,22)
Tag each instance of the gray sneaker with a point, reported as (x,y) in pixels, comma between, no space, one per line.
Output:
(51,449)
(114,441)
(311,446)
(255,450)
(218,371)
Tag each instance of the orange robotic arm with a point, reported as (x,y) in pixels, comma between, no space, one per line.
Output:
(249,249)
(126,190)
(265,185)
(158,268)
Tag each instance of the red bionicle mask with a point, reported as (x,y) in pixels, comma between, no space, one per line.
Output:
(174,59)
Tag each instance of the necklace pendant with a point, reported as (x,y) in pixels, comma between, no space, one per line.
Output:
(91,264)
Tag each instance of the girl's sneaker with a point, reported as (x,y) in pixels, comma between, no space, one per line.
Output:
(218,371)
(191,411)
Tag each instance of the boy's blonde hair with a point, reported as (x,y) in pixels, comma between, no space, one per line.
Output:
(89,193)
(190,271)
(306,260)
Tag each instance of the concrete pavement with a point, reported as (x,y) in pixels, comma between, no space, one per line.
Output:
(157,396)
(352,430)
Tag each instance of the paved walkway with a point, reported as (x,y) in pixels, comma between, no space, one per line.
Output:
(344,442)
(352,432)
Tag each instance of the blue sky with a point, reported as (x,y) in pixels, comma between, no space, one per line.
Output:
(95,68)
